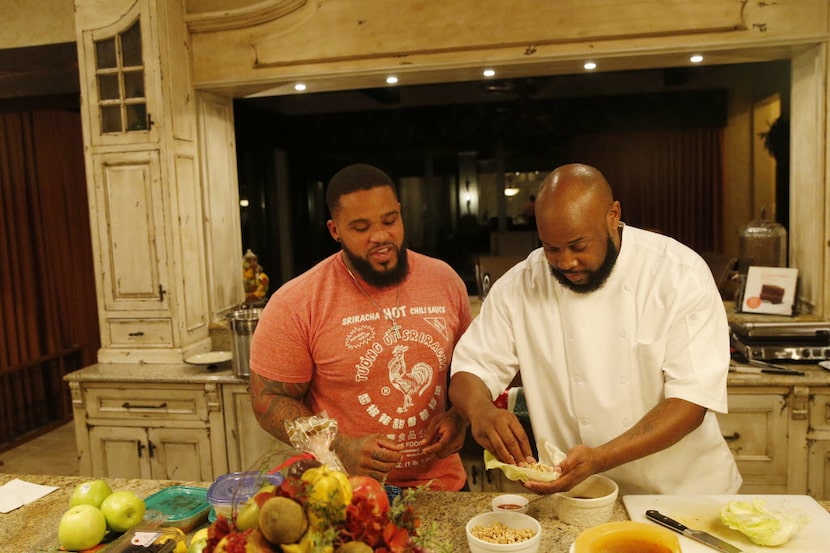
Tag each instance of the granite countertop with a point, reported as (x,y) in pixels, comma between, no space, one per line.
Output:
(33,528)
(814,375)
(148,373)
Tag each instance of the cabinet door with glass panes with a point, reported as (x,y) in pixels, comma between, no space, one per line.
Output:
(121,81)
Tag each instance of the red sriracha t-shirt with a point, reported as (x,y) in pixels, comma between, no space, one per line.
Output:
(321,327)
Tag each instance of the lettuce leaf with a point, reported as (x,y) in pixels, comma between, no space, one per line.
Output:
(760,524)
(551,456)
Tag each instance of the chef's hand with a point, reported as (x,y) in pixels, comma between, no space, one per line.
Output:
(373,455)
(500,432)
(580,463)
(444,435)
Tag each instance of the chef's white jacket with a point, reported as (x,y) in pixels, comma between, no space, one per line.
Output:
(593,364)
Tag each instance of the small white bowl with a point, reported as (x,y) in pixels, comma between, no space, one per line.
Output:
(511,519)
(510,502)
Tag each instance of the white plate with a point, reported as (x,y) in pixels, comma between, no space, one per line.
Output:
(825,364)
(209,358)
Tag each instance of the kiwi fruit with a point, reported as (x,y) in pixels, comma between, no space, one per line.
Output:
(282,520)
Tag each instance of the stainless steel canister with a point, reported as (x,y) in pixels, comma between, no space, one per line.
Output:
(242,323)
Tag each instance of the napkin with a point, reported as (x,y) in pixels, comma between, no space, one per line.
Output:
(16,493)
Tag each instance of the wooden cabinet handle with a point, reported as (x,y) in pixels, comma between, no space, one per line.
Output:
(128,405)
(732,437)
(139,447)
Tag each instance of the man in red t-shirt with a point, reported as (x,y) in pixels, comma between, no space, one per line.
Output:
(366,337)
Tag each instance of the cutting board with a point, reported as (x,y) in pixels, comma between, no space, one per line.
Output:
(702,512)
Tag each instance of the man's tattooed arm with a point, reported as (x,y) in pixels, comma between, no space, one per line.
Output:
(276,402)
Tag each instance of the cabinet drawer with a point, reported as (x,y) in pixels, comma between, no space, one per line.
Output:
(132,332)
(148,402)
(820,412)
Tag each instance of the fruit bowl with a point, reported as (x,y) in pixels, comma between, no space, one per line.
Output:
(315,506)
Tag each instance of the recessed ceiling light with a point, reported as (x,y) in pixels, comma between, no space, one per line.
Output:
(391,79)
(489,72)
(589,65)
(243,202)
(697,58)
(299,87)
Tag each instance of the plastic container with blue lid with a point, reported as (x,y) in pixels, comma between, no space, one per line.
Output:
(235,488)
(183,507)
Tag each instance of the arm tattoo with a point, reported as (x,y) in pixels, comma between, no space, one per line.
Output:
(276,402)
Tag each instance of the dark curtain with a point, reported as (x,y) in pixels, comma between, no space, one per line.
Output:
(48,310)
(667,180)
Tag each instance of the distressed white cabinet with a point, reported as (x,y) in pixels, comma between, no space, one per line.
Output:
(151,453)
(172,431)
(248,444)
(767,438)
(819,443)
(170,422)
(146,185)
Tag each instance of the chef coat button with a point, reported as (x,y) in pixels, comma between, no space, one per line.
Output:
(693,317)
(577,379)
(622,380)
(585,422)
(626,423)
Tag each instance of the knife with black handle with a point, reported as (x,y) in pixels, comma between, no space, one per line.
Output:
(698,535)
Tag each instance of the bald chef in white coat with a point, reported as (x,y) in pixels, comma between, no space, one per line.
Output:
(622,343)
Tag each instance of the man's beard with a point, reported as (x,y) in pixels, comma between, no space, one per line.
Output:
(380,279)
(596,279)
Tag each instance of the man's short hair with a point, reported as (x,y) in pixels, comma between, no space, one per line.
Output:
(352,178)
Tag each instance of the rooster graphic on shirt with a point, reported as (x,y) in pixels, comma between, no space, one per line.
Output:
(408,380)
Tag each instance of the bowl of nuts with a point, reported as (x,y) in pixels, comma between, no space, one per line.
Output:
(501,531)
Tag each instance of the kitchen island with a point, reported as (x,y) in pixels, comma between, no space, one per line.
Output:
(33,527)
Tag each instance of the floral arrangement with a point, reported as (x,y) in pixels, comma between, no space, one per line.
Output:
(319,510)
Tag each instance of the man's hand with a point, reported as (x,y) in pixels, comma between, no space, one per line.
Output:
(373,455)
(580,463)
(495,429)
(500,432)
(444,435)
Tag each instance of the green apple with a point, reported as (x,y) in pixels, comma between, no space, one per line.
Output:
(91,492)
(123,510)
(81,527)
(248,515)
(197,546)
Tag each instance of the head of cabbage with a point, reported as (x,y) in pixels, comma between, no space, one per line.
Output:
(760,524)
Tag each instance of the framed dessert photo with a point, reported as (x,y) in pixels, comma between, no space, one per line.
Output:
(770,290)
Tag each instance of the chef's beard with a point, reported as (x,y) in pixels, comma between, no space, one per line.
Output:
(596,279)
(380,279)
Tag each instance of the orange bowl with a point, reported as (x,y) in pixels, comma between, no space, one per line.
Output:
(627,536)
